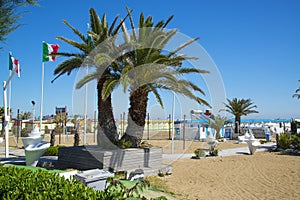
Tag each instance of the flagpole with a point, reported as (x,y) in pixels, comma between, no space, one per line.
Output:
(172,127)
(6,116)
(42,96)
(85,108)
(9,95)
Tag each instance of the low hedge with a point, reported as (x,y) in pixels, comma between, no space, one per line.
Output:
(52,151)
(20,183)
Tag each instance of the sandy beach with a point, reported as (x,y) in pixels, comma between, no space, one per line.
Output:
(263,175)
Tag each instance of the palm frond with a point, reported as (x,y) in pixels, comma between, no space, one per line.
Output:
(131,24)
(157,96)
(183,46)
(86,79)
(95,22)
(296,96)
(68,65)
(80,35)
(185,70)
(168,21)
(82,47)
(108,87)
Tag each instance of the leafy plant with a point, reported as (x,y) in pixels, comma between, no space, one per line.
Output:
(284,140)
(214,152)
(21,183)
(126,144)
(52,151)
(161,174)
(199,153)
(295,141)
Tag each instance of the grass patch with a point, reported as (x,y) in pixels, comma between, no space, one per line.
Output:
(157,183)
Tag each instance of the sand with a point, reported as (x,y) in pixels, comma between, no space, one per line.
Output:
(263,175)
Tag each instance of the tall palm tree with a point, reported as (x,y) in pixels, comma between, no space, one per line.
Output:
(143,67)
(240,107)
(297,95)
(147,68)
(100,32)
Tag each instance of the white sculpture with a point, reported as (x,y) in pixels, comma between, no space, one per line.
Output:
(34,147)
(253,143)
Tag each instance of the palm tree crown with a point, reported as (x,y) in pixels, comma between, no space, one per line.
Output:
(148,68)
(240,107)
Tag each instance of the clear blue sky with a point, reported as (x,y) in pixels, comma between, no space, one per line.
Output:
(255,45)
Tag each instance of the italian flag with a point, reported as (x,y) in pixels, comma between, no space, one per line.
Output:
(49,49)
(14,64)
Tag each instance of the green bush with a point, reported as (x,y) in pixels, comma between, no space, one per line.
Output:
(214,152)
(21,183)
(52,151)
(295,141)
(199,153)
(284,140)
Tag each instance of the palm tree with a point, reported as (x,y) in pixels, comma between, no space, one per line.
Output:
(100,32)
(147,68)
(25,115)
(141,66)
(217,123)
(297,95)
(240,107)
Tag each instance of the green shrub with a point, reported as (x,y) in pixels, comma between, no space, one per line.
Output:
(284,140)
(126,144)
(21,183)
(199,153)
(295,141)
(52,151)
(214,152)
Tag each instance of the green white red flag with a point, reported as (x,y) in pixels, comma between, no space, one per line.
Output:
(14,65)
(49,49)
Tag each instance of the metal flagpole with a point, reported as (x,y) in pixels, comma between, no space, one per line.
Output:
(42,96)
(6,116)
(6,120)
(172,127)
(9,96)
(85,108)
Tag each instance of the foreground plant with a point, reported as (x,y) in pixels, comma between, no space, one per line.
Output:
(23,184)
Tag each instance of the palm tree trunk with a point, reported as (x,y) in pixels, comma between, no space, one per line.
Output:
(136,117)
(107,136)
(237,124)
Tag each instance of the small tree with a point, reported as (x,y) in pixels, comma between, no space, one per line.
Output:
(217,123)
(240,107)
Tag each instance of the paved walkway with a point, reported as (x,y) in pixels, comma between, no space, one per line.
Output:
(226,152)
(15,153)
